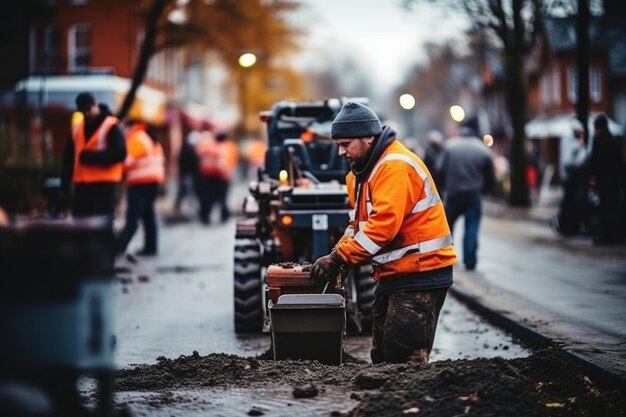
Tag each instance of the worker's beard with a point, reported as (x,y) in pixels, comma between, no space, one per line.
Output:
(362,167)
(359,165)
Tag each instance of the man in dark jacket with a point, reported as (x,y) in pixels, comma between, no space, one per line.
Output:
(607,172)
(466,172)
(187,171)
(93,160)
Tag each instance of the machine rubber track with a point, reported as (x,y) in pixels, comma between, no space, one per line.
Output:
(248,285)
(365,286)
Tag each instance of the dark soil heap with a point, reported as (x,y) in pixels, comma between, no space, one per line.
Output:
(544,384)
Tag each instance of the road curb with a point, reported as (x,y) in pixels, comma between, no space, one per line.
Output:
(536,340)
(526,334)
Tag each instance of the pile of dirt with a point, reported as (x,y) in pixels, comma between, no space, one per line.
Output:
(543,384)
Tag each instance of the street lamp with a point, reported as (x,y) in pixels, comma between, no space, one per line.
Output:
(407,101)
(457,113)
(246,60)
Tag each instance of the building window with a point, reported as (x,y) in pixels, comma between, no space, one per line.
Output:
(51,48)
(544,87)
(44,50)
(595,84)
(79,47)
(572,83)
(556,85)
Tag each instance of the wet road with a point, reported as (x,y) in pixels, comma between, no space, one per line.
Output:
(182,301)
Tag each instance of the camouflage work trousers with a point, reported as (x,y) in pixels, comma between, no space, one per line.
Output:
(404,325)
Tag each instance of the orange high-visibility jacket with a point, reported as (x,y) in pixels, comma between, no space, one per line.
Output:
(401,226)
(229,158)
(217,159)
(145,163)
(84,173)
(255,152)
(208,154)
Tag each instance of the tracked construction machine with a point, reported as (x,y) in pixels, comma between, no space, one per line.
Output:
(296,211)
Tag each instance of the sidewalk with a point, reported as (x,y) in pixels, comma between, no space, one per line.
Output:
(584,315)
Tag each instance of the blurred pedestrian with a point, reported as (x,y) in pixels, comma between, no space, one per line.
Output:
(217,157)
(145,173)
(93,160)
(187,172)
(227,165)
(573,156)
(208,156)
(399,226)
(607,174)
(255,156)
(432,153)
(466,172)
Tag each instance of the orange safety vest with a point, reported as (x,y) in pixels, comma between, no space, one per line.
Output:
(255,152)
(218,159)
(401,226)
(145,163)
(85,174)
(208,154)
(228,158)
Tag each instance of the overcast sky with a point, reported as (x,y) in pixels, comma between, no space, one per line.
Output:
(381,34)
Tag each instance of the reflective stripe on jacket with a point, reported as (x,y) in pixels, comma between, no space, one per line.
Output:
(145,163)
(84,173)
(401,226)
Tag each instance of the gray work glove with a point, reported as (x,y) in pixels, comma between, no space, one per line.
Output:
(327,268)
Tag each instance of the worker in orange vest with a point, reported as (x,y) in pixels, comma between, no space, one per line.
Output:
(255,156)
(228,158)
(399,226)
(208,155)
(217,158)
(93,160)
(144,170)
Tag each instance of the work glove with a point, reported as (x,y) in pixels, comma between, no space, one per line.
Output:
(327,268)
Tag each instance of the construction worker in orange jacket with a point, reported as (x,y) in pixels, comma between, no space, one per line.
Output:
(217,159)
(255,156)
(145,173)
(208,156)
(93,160)
(399,226)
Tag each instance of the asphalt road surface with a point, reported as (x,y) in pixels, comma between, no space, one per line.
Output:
(182,300)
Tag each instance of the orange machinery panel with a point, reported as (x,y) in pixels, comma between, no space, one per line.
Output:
(292,278)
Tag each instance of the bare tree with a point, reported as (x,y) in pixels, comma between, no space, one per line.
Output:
(153,16)
(226,26)
(516,24)
(582,63)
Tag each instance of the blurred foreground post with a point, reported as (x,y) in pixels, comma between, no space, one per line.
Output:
(56,299)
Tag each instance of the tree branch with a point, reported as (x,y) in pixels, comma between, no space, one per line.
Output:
(145,53)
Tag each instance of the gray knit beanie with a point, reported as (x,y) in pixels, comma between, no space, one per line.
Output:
(355,121)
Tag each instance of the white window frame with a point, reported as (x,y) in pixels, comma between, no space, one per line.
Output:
(556,85)
(76,51)
(572,83)
(544,86)
(595,83)
(51,50)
